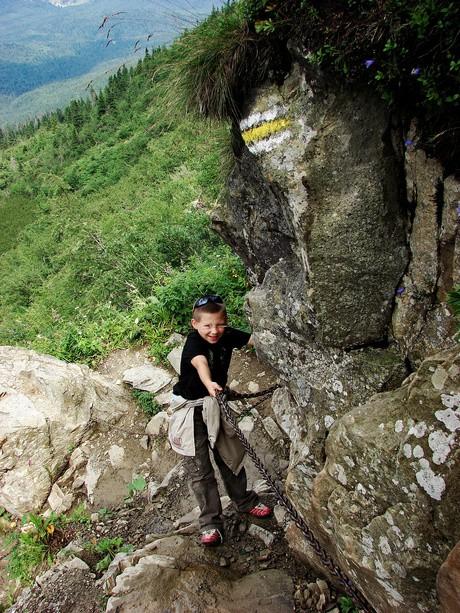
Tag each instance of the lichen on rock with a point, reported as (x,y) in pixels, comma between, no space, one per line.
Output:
(389,514)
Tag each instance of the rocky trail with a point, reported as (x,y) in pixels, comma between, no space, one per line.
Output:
(165,568)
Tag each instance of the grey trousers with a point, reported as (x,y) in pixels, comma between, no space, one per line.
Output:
(203,481)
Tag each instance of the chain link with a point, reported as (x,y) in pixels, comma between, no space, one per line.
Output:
(234,395)
(324,557)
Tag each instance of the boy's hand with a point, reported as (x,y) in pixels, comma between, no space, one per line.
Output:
(213,389)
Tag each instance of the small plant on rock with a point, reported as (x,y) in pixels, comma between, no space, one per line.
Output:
(137,485)
(104,513)
(146,402)
(79,515)
(346,605)
(38,540)
(108,549)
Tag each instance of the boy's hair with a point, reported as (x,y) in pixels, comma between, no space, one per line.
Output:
(209,307)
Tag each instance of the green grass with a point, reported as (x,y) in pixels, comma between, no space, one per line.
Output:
(212,65)
(34,548)
(16,212)
(27,555)
(31,549)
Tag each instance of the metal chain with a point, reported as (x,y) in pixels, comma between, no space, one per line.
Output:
(324,557)
(234,395)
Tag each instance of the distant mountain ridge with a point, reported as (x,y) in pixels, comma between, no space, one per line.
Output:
(64,3)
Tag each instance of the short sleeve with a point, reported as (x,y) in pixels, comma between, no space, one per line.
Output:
(237,338)
(194,346)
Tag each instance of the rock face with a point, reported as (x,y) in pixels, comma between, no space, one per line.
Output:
(47,407)
(173,572)
(330,158)
(386,501)
(351,239)
(314,211)
(422,323)
(325,382)
(147,378)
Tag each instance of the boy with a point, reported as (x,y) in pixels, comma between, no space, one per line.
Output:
(203,374)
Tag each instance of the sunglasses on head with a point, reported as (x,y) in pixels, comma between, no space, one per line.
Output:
(206,299)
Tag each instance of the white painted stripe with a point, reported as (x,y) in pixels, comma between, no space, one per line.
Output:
(257,118)
(262,146)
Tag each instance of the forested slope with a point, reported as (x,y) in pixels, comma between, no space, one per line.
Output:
(104,227)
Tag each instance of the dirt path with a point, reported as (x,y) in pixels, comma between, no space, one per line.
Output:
(144,518)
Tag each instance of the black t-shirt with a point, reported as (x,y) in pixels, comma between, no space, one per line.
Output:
(218,355)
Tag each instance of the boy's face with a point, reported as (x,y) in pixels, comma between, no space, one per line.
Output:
(210,326)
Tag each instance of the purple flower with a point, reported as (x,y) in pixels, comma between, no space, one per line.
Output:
(408,142)
(400,291)
(458,209)
(415,71)
(368,63)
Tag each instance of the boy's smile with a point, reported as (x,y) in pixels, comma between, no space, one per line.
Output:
(210,326)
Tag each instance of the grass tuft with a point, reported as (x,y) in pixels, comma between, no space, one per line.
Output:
(210,63)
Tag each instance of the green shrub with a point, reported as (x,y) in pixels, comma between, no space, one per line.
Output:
(16,212)
(26,556)
(105,513)
(218,272)
(80,515)
(92,334)
(346,605)
(78,347)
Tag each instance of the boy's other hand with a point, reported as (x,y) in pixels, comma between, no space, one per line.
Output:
(213,389)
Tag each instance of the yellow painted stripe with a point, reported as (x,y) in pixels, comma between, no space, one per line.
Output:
(266,129)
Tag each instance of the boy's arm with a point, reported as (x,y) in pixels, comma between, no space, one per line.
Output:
(202,367)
